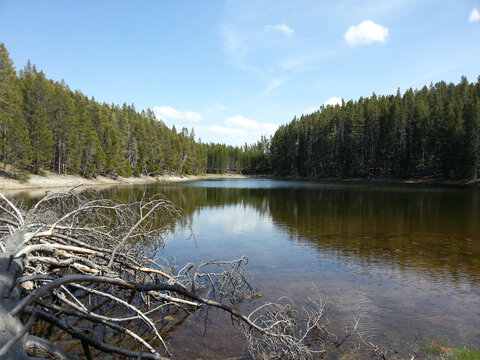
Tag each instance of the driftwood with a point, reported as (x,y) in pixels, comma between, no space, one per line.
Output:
(89,268)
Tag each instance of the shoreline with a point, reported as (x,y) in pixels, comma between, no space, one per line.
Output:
(354,180)
(55,181)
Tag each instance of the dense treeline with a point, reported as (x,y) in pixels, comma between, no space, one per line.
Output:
(249,159)
(47,126)
(433,132)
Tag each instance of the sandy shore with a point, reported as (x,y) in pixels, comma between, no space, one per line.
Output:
(55,181)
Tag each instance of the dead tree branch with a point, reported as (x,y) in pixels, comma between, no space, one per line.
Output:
(79,253)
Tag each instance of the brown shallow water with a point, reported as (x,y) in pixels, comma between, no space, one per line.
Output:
(404,259)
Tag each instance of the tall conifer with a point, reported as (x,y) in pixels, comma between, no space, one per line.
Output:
(14,141)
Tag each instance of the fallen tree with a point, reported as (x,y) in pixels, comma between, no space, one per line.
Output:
(89,268)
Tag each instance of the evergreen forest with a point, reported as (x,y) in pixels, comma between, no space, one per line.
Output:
(47,126)
(432,132)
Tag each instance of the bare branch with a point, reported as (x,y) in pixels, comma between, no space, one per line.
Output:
(15,212)
(96,251)
(77,333)
(134,227)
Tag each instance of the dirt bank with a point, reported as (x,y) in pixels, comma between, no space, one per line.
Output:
(55,181)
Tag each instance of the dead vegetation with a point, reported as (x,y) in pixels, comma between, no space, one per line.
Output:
(89,269)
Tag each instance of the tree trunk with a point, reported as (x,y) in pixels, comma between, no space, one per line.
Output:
(9,297)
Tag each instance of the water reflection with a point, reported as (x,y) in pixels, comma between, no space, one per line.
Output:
(403,258)
(430,229)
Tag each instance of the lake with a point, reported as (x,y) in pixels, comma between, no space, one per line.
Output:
(404,259)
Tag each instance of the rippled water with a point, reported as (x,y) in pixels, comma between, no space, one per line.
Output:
(405,259)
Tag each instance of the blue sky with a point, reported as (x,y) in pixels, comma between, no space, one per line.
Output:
(235,70)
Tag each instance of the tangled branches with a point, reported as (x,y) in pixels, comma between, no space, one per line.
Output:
(89,267)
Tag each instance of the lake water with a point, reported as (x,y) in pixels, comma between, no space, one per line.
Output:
(404,259)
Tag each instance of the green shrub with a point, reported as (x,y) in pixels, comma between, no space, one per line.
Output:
(466,354)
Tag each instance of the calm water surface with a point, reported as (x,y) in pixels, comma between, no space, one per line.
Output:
(404,259)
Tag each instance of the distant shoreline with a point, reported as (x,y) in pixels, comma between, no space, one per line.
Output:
(419,181)
(55,181)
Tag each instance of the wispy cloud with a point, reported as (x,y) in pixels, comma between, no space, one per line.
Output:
(169,113)
(282,28)
(237,45)
(308,60)
(240,130)
(234,44)
(298,61)
(274,83)
(474,16)
(365,33)
(250,48)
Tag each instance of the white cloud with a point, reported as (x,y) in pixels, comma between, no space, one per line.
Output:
(229,132)
(474,16)
(333,101)
(284,29)
(239,130)
(169,113)
(239,121)
(367,32)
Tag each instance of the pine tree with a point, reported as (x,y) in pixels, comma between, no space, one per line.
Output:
(14,140)
(62,122)
(471,117)
(36,92)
